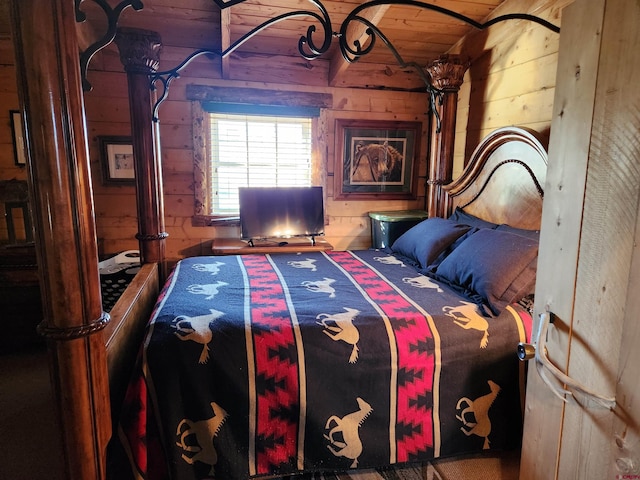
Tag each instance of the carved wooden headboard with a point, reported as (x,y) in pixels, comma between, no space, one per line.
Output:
(504,179)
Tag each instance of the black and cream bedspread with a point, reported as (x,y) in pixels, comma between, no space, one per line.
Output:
(274,364)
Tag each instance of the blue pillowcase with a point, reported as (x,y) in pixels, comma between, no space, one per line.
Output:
(492,267)
(424,242)
(532,234)
(460,216)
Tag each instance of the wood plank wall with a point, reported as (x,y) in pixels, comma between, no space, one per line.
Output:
(107,113)
(511,81)
(512,76)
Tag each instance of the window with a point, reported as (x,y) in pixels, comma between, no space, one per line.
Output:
(255,151)
(249,145)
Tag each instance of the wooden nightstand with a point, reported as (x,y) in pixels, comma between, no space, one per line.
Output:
(234,246)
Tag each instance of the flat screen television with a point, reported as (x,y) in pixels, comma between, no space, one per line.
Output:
(281,212)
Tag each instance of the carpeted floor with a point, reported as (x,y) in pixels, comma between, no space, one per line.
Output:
(30,442)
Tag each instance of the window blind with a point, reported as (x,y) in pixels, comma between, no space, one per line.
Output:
(255,151)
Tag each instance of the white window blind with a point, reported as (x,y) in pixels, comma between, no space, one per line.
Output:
(255,151)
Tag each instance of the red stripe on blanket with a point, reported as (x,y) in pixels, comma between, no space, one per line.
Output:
(276,382)
(138,431)
(414,339)
(135,404)
(527,321)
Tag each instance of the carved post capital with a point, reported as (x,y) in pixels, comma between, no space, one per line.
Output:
(447,72)
(139,50)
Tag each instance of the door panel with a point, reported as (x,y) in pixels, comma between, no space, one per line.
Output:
(587,244)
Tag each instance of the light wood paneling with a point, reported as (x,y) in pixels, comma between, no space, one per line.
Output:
(588,252)
(512,76)
(607,251)
(560,234)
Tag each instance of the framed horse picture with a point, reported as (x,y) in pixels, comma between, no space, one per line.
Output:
(376,159)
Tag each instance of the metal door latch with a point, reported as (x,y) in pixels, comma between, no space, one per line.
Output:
(526,351)
(563,386)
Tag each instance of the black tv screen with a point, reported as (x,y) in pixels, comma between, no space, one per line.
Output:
(280,212)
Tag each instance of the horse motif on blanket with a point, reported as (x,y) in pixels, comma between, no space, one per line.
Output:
(204,432)
(339,326)
(321,286)
(306,263)
(389,260)
(213,268)
(348,443)
(210,289)
(467,316)
(197,329)
(479,410)
(422,282)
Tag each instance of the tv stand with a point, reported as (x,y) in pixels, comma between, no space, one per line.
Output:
(235,246)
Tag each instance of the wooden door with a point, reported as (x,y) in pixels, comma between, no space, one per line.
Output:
(589,263)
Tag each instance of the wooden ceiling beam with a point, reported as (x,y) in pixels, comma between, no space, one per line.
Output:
(355,31)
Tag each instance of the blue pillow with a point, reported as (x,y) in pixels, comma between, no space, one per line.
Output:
(492,267)
(460,216)
(533,234)
(422,243)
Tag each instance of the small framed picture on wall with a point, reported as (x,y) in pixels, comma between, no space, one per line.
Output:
(117,160)
(19,144)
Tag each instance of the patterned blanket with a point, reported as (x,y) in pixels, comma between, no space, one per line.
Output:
(327,361)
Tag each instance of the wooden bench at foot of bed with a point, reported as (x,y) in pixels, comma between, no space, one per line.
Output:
(123,334)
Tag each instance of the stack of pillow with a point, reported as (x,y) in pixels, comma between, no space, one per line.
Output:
(492,265)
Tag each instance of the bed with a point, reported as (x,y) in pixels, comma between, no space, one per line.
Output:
(91,353)
(277,364)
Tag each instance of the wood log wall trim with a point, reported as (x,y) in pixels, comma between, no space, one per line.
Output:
(257,96)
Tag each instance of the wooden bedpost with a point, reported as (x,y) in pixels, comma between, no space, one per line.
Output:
(447,73)
(140,55)
(50,91)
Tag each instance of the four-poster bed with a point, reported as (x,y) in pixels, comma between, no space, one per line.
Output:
(92,353)
(232,380)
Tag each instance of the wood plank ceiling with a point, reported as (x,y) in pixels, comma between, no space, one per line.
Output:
(418,34)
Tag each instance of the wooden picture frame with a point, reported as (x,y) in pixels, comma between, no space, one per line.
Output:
(376,159)
(116,157)
(19,144)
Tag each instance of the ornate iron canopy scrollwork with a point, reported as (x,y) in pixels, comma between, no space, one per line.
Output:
(113,15)
(308,47)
